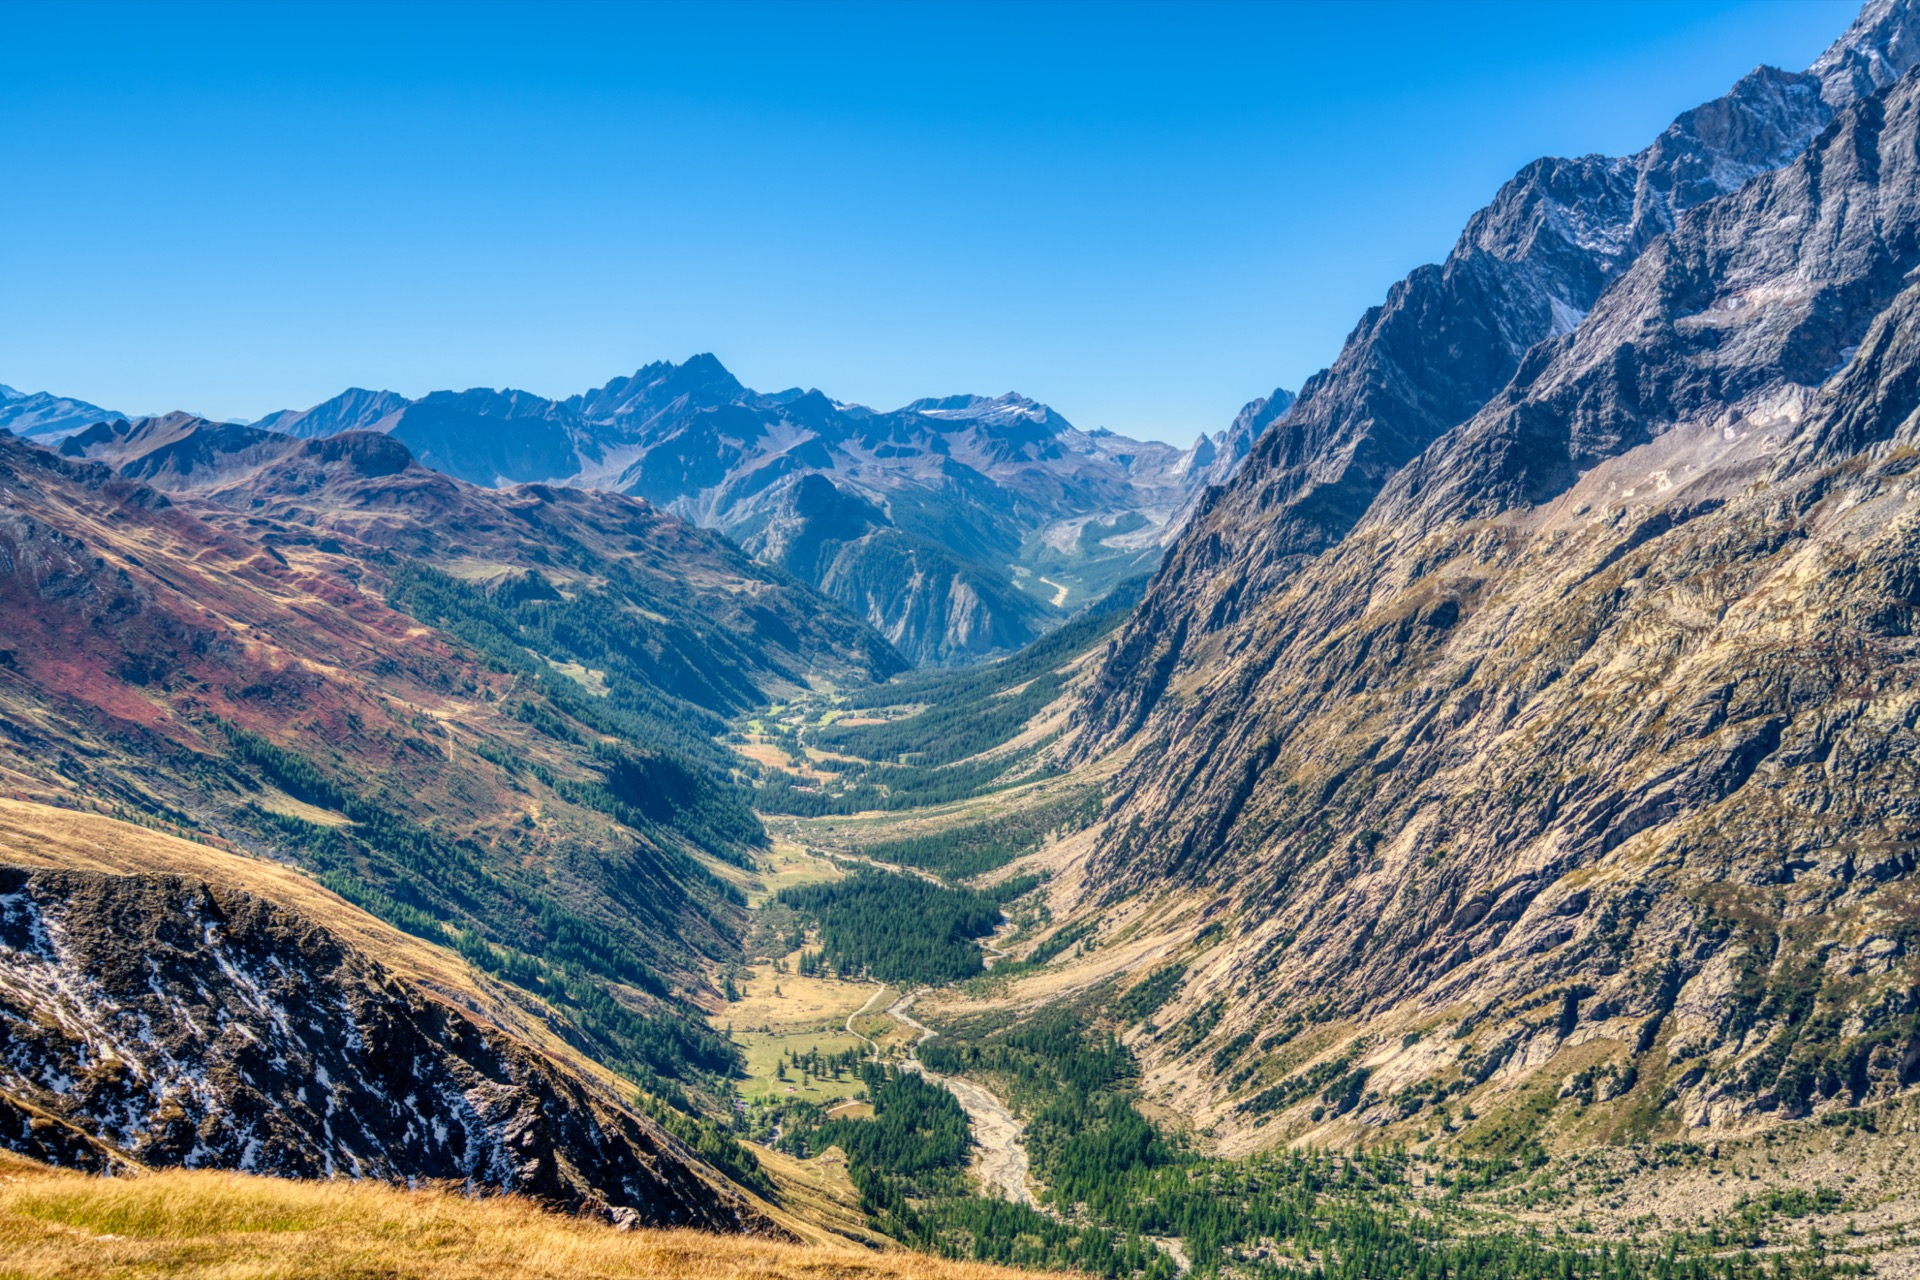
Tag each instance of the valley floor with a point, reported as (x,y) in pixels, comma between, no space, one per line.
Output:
(1022,1047)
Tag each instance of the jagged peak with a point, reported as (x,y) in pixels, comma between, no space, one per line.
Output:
(352,409)
(1880,46)
(653,385)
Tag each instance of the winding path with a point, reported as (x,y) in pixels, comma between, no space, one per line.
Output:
(862,1012)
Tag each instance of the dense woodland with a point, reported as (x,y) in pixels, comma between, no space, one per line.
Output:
(901,928)
(909,1164)
(977,848)
(1301,1213)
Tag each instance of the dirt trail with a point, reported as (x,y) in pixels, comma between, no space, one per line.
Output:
(1002,1157)
(862,1012)
(991,943)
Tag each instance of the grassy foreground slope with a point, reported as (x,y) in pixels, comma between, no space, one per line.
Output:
(57,1224)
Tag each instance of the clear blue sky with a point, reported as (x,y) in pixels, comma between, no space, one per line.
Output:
(1144,215)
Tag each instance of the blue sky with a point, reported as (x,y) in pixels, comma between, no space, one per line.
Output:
(1145,215)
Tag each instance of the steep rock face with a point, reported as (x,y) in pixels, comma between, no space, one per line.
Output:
(1601,722)
(1213,460)
(932,604)
(176,1024)
(1528,267)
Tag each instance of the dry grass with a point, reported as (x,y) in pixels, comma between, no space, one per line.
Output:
(818,1191)
(807,1014)
(788,864)
(804,1005)
(224,1226)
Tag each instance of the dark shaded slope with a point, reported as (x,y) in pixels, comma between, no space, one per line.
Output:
(160,1020)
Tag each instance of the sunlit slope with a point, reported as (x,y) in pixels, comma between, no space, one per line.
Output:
(487,718)
(203,1226)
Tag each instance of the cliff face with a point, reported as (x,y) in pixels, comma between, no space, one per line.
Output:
(159,1020)
(1526,269)
(1598,723)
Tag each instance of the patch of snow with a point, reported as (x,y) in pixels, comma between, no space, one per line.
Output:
(1566,318)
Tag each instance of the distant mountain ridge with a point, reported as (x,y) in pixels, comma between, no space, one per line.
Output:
(43,414)
(957,526)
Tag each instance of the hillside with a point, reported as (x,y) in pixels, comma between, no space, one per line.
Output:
(965,936)
(198,1225)
(1587,748)
(708,625)
(216,1011)
(507,748)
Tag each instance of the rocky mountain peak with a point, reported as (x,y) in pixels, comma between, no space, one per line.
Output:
(1621,659)
(1002,411)
(1527,269)
(355,409)
(1879,47)
(45,415)
(366,453)
(653,386)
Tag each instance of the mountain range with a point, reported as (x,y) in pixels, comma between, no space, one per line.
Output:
(1487,844)
(40,413)
(958,526)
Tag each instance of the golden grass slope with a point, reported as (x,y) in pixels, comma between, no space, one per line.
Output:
(57,1225)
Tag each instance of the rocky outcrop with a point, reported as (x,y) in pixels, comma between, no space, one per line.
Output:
(1214,460)
(174,1024)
